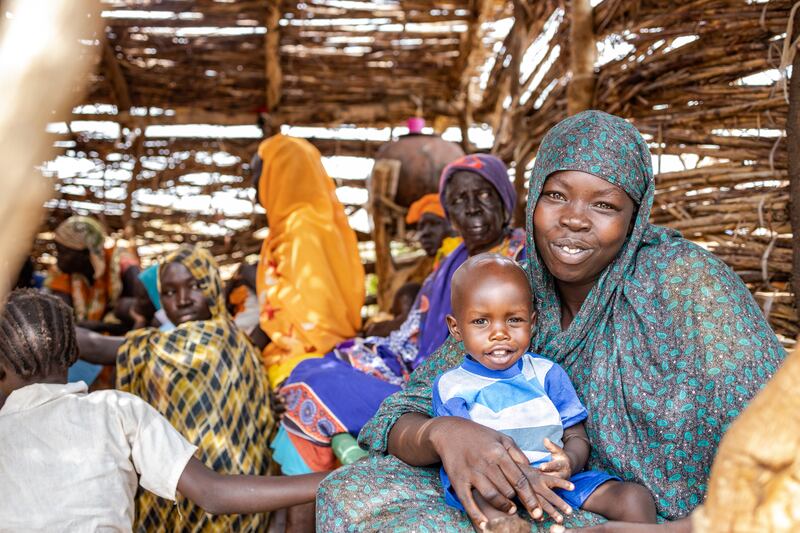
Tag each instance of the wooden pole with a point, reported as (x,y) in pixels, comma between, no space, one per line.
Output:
(40,48)
(384,172)
(272,49)
(583,51)
(136,151)
(471,54)
(119,84)
(793,148)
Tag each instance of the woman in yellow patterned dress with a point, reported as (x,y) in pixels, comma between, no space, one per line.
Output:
(206,378)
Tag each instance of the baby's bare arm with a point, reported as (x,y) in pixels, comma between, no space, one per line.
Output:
(576,446)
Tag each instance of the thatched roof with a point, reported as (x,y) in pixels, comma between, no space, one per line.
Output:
(697,78)
(221,63)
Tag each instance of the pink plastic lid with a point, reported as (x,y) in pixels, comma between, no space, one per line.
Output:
(415,124)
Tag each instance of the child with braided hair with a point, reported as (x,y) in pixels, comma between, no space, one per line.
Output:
(72,461)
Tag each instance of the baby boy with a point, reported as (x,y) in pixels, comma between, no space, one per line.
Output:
(525,396)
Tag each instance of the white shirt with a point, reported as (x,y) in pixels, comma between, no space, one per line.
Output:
(249,317)
(71,461)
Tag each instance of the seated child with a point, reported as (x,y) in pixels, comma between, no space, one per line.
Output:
(525,396)
(71,461)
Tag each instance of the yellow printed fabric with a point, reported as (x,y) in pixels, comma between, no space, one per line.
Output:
(310,279)
(206,378)
(449,244)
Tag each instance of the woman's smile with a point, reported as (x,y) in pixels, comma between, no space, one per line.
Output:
(570,251)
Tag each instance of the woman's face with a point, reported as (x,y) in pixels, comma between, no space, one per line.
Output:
(475,210)
(579,225)
(71,261)
(181,295)
(431,231)
(256,166)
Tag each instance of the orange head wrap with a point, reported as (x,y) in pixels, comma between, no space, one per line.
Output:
(427,204)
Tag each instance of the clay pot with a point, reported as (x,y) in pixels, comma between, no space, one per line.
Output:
(422,159)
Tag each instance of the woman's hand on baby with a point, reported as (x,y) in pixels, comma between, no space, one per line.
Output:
(476,457)
(560,463)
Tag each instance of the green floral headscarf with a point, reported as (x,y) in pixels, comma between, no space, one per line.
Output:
(84,233)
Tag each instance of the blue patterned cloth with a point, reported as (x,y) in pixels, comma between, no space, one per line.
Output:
(665,352)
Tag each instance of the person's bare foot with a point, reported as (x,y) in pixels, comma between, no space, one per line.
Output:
(508,524)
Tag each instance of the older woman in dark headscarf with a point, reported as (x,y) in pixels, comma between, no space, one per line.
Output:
(663,342)
(338,393)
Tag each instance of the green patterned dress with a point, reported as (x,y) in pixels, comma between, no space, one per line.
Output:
(665,352)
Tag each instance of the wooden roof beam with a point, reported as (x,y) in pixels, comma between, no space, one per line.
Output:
(470,49)
(272,53)
(470,54)
(388,111)
(239,147)
(119,85)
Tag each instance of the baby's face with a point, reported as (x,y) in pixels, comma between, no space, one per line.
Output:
(494,320)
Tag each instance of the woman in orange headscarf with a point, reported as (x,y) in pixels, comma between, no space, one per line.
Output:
(310,280)
(434,232)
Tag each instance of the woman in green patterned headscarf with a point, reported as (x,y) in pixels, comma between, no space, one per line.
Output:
(663,342)
(88,276)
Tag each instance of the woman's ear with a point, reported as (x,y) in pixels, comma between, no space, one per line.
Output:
(452,325)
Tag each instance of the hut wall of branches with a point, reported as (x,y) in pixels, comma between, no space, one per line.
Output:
(700,78)
(703,80)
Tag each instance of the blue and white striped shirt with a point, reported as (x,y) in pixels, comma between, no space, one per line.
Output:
(528,401)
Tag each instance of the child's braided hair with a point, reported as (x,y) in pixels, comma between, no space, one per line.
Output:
(37,334)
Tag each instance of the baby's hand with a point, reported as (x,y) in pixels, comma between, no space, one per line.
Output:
(560,464)
(547,501)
